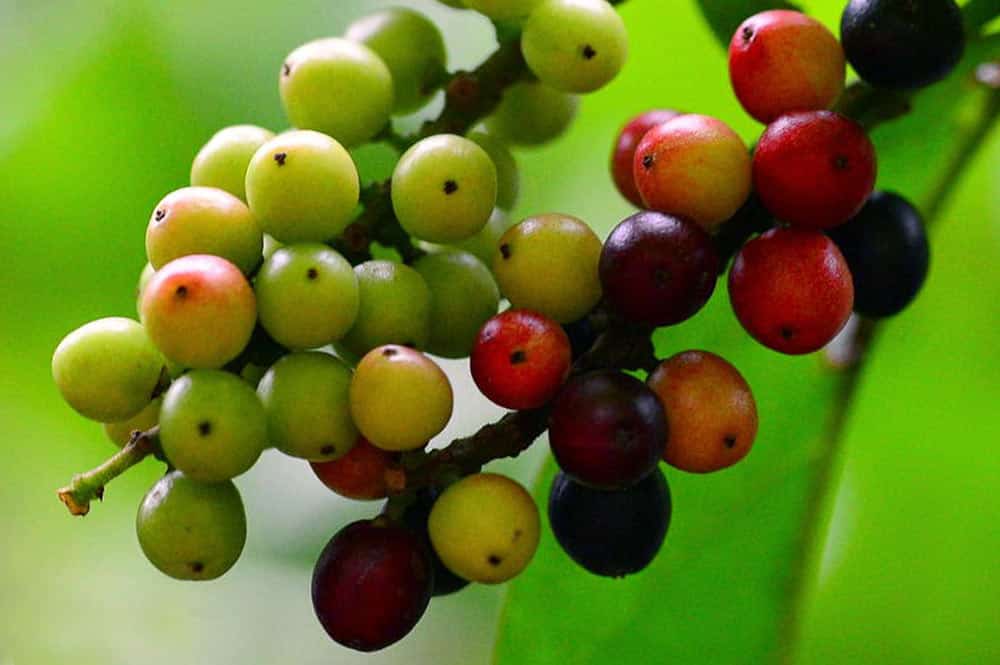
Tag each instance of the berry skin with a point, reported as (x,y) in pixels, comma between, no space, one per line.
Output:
(223,161)
(782,61)
(307,296)
(563,249)
(337,87)
(144,277)
(305,399)
(371,584)
(395,308)
(483,245)
(199,310)
(302,186)
(612,534)
(485,528)
(498,10)
(400,399)
(814,169)
(885,246)
(411,47)
(575,45)
(444,188)
(415,518)
(521,359)
(508,179)
(108,369)
(657,269)
(694,167)
(607,429)
(531,114)
(212,425)
(120,432)
(191,530)
(359,475)
(203,220)
(901,44)
(710,409)
(791,290)
(623,154)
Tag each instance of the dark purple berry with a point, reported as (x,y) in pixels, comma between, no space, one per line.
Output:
(415,518)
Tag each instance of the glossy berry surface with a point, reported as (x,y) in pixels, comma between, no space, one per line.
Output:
(791,290)
(532,113)
(782,61)
(611,533)
(657,269)
(623,154)
(902,44)
(710,409)
(520,359)
(415,518)
(607,429)
(886,247)
(814,170)
(395,308)
(359,474)
(223,161)
(371,584)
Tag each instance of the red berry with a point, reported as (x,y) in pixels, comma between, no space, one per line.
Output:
(782,61)
(791,289)
(657,269)
(623,154)
(371,584)
(814,169)
(607,429)
(520,359)
(360,474)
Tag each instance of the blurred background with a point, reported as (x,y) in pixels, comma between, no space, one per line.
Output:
(105,103)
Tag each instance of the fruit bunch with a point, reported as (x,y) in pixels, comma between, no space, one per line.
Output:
(288,304)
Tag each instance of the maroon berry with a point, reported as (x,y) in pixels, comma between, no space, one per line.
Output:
(607,429)
(371,584)
(520,359)
(814,169)
(624,151)
(360,474)
(791,289)
(657,269)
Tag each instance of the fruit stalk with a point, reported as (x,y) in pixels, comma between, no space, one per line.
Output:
(85,487)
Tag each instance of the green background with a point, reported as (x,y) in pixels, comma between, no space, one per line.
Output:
(104,104)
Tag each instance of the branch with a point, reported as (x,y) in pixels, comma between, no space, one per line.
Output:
(88,486)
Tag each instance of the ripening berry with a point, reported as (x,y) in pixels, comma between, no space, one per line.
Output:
(607,429)
(120,432)
(610,533)
(694,167)
(548,263)
(337,87)
(485,528)
(400,399)
(371,584)
(885,246)
(623,153)
(415,518)
(657,269)
(791,290)
(902,44)
(814,169)
(498,10)
(223,161)
(199,310)
(360,474)
(782,61)
(395,308)
(203,220)
(531,114)
(508,178)
(520,359)
(711,412)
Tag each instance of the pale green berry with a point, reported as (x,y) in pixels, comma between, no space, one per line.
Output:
(483,245)
(144,277)
(503,10)
(270,246)
(532,113)
(508,179)
(120,432)
(395,308)
(223,161)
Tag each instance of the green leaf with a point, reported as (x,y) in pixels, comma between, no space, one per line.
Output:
(724,16)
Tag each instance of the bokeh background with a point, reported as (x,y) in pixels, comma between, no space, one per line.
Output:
(104,104)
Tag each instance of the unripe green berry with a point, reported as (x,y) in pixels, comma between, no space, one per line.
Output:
(503,10)
(532,113)
(120,432)
(395,308)
(147,274)
(508,178)
(223,161)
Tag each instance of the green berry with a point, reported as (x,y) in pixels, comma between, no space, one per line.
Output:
(444,188)
(508,179)
(302,186)
(565,251)
(107,369)
(575,45)
(305,396)
(463,296)
(223,161)
(483,245)
(411,47)
(147,274)
(212,425)
(502,10)
(531,114)
(191,530)
(337,87)
(307,296)
(270,246)
(120,432)
(395,308)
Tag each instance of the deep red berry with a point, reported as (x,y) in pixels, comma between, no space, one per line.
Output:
(657,269)
(360,474)
(607,429)
(371,584)
(782,61)
(791,289)
(814,169)
(624,150)
(520,359)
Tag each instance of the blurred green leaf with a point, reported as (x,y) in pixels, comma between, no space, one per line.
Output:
(726,15)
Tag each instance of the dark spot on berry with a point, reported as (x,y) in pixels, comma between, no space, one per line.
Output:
(517,534)
(787,332)
(389,351)
(647,162)
(494,560)
(588,52)
(661,277)
(840,162)
(747,34)
(204,428)
(624,437)
(312,273)
(181,291)
(159,214)
(286,69)
(280,157)
(505,251)
(327,450)
(729,440)
(450,187)
(518,357)
(196,566)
